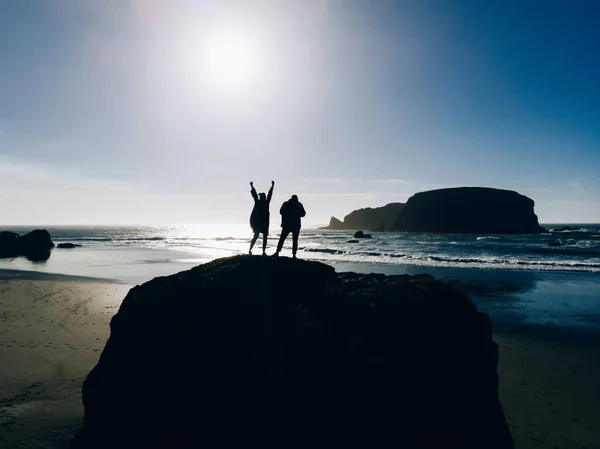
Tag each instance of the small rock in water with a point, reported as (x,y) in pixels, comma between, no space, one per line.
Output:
(68,245)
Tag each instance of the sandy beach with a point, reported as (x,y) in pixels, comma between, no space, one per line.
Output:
(549,389)
(52,331)
(53,328)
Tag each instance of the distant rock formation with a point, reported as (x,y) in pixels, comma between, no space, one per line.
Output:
(469,210)
(378,219)
(68,245)
(335,224)
(362,235)
(275,352)
(35,245)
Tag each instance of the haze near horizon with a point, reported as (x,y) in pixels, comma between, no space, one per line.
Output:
(162,112)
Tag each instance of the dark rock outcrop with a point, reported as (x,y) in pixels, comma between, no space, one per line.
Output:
(9,242)
(469,210)
(380,228)
(352,241)
(35,245)
(276,352)
(374,219)
(334,224)
(68,245)
(362,235)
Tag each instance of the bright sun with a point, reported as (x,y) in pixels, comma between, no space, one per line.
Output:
(230,59)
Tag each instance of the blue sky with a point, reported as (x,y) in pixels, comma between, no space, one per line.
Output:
(126,111)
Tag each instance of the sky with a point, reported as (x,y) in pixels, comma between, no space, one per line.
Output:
(162,111)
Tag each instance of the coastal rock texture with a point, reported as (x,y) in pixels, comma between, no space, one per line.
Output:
(35,245)
(276,352)
(373,219)
(362,235)
(472,210)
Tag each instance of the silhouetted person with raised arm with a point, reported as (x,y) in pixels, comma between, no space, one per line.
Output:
(291,213)
(259,219)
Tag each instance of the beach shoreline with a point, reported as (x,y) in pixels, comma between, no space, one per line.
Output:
(55,326)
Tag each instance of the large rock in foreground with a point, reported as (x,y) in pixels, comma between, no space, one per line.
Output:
(373,219)
(35,245)
(469,210)
(252,351)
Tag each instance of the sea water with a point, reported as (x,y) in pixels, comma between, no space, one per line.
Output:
(571,250)
(549,278)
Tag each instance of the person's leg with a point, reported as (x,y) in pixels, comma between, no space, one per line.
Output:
(253,242)
(265,237)
(284,234)
(295,234)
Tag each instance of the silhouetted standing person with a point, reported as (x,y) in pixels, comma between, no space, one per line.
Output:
(259,219)
(291,213)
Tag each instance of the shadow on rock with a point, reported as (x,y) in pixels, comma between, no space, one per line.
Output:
(278,352)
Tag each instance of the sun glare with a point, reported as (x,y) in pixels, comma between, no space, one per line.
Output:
(230,59)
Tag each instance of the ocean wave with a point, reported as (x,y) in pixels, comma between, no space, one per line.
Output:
(114,239)
(324,250)
(450,261)
(399,256)
(568,251)
(457,259)
(87,239)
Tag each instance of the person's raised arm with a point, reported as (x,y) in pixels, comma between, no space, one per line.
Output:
(270,195)
(253,191)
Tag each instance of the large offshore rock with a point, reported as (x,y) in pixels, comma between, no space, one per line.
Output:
(469,210)
(36,240)
(35,245)
(251,351)
(373,219)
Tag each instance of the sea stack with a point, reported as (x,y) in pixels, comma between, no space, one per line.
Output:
(377,219)
(277,352)
(469,210)
(37,243)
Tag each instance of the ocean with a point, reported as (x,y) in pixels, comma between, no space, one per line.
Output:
(550,279)
(575,249)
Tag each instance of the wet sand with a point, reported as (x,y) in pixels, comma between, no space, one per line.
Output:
(52,331)
(550,388)
(53,328)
